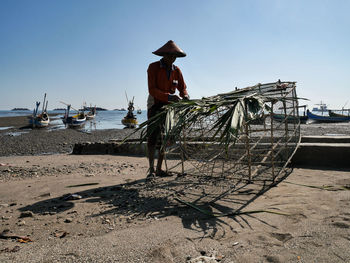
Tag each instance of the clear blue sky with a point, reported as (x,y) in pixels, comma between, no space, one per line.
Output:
(94,51)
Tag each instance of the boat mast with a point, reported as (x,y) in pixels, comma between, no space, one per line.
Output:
(44,103)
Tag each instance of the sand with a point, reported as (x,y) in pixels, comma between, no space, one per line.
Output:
(119,217)
(100,208)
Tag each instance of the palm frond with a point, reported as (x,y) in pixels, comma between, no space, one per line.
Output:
(231,109)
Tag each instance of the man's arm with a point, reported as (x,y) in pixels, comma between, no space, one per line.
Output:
(182,86)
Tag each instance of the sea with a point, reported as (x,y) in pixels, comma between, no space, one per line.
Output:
(109,119)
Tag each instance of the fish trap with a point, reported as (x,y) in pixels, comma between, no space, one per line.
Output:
(248,135)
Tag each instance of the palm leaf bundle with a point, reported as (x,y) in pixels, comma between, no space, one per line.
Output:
(178,116)
(231,111)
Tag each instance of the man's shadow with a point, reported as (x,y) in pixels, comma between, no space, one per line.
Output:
(172,196)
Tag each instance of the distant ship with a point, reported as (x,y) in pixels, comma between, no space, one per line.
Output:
(322,108)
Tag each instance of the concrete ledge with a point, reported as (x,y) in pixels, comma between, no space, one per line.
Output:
(133,148)
(319,151)
(325,139)
(334,155)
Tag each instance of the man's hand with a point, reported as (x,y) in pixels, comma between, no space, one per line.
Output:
(186,97)
(173,98)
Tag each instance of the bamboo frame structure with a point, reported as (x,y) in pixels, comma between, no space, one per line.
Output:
(260,150)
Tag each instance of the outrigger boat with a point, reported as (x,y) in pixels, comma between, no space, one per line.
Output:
(130,120)
(74,121)
(91,111)
(331,113)
(291,118)
(42,119)
(333,118)
(91,114)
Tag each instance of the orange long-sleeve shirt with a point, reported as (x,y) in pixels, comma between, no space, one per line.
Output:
(160,86)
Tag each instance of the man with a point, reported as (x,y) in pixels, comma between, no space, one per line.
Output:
(164,78)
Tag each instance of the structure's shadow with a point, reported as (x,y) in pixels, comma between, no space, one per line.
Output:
(166,197)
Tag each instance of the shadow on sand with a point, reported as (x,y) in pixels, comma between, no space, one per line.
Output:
(140,199)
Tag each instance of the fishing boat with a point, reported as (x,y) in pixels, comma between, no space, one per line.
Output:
(322,108)
(290,119)
(74,121)
(91,114)
(318,118)
(139,111)
(40,120)
(331,113)
(130,120)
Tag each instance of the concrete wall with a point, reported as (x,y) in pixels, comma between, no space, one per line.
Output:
(319,151)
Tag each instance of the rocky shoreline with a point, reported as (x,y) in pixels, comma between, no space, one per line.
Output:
(21,140)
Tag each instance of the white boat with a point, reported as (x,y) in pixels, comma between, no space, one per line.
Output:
(77,120)
(40,120)
(91,114)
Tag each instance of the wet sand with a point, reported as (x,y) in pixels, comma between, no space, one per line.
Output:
(22,140)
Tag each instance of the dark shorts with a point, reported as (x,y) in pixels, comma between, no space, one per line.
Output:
(154,136)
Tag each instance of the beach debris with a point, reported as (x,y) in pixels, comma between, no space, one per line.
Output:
(72,197)
(26,214)
(235,244)
(44,195)
(284,237)
(10,250)
(22,239)
(79,185)
(68,220)
(61,233)
(204,259)
(213,257)
(21,223)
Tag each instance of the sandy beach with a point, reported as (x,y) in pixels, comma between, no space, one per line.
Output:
(60,207)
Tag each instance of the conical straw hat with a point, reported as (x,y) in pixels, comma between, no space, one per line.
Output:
(170,48)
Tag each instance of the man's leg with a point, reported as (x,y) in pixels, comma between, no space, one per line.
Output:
(151,148)
(160,162)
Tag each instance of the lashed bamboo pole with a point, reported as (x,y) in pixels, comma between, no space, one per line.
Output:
(272,155)
(248,152)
